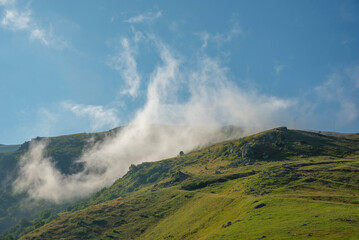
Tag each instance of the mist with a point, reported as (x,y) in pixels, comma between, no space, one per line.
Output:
(165,125)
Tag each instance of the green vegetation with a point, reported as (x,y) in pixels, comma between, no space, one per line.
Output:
(17,209)
(279,184)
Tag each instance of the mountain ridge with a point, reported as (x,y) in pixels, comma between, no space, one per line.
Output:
(305,171)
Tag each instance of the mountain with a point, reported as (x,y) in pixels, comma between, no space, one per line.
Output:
(278,184)
(18,211)
(18,208)
(8,148)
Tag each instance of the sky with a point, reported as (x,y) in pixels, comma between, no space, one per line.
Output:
(89,65)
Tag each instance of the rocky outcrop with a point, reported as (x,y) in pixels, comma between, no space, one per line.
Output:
(247,152)
(226,224)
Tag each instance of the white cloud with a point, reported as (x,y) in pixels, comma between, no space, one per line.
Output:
(145,17)
(335,90)
(220,38)
(99,116)
(6,2)
(125,63)
(204,37)
(331,89)
(348,112)
(15,19)
(40,35)
(46,122)
(36,169)
(278,68)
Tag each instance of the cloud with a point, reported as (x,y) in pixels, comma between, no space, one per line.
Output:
(15,19)
(98,115)
(6,2)
(278,68)
(204,37)
(40,35)
(125,63)
(337,89)
(161,128)
(46,121)
(36,169)
(145,17)
(220,38)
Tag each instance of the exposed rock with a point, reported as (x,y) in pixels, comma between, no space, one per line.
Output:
(226,224)
(282,129)
(181,153)
(260,205)
(233,164)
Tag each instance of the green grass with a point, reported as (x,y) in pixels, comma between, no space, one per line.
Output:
(17,208)
(308,188)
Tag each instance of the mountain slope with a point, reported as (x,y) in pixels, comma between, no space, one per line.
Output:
(63,150)
(279,184)
(8,148)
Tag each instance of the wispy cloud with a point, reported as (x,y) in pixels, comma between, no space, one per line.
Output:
(40,35)
(14,19)
(6,2)
(336,89)
(126,65)
(99,116)
(220,38)
(145,17)
(278,68)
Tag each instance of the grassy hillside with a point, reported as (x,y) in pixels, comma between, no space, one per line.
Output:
(279,184)
(18,209)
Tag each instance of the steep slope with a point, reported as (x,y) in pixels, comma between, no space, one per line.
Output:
(279,184)
(16,208)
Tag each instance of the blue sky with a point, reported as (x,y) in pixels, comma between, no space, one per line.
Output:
(83,66)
